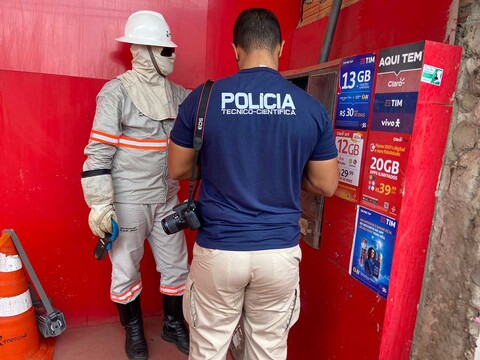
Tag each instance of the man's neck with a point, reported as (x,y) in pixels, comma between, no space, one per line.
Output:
(257,59)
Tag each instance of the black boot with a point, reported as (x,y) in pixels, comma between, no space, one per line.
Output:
(131,319)
(174,329)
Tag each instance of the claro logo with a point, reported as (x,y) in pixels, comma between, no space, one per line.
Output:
(259,104)
(398,83)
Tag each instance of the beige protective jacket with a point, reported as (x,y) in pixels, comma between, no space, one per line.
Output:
(132,145)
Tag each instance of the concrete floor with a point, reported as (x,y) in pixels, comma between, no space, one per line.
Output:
(107,341)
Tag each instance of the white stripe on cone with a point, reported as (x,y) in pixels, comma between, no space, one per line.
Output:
(15,305)
(10,263)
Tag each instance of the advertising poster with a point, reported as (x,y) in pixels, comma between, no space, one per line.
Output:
(385,164)
(400,68)
(355,92)
(350,150)
(394,112)
(372,250)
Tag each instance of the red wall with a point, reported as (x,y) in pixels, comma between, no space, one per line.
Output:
(58,56)
(340,318)
(370,25)
(76,37)
(220,59)
(45,125)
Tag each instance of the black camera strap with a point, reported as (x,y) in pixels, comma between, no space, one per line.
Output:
(198,136)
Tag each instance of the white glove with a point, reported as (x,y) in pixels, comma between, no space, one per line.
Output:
(100,219)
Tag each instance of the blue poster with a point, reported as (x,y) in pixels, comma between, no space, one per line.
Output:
(356,84)
(372,250)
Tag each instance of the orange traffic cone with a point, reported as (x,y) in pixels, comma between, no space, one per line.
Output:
(20,338)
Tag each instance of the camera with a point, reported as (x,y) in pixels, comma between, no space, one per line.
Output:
(184,216)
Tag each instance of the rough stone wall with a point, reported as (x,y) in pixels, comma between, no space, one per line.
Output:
(448,323)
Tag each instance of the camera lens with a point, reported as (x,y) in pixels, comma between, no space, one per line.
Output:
(172,224)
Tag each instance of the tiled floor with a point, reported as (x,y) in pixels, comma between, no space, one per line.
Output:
(106,342)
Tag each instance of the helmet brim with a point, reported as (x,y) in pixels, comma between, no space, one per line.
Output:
(141,41)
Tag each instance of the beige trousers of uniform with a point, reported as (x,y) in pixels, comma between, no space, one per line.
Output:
(138,222)
(263,286)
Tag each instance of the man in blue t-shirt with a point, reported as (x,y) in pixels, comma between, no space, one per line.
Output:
(264,140)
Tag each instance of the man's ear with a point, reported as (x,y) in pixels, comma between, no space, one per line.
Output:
(236,52)
(281,48)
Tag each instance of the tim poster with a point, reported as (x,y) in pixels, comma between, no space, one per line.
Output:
(372,250)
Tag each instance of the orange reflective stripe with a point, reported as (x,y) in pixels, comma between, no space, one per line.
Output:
(102,141)
(129,142)
(104,137)
(127,295)
(169,290)
(144,140)
(131,146)
(143,144)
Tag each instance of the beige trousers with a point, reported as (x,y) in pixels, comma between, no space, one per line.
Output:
(261,287)
(138,222)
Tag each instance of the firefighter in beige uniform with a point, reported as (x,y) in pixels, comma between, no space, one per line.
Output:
(125,179)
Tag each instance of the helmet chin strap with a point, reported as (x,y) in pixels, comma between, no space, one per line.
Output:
(152,57)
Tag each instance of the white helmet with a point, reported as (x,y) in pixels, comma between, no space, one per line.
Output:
(147,28)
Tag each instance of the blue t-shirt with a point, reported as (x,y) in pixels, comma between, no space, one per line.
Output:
(260,131)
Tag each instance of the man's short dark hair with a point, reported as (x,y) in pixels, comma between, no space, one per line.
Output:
(257,29)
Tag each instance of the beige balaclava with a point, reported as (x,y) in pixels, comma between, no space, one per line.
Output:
(150,91)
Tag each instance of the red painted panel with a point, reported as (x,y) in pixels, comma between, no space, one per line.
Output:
(340,318)
(368,25)
(448,59)
(426,153)
(48,119)
(220,59)
(77,37)
(337,231)
(324,273)
(45,123)
(432,121)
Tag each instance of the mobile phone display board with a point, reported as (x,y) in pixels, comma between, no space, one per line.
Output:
(391,120)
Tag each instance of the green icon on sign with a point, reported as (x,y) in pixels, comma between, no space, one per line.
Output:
(432,75)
